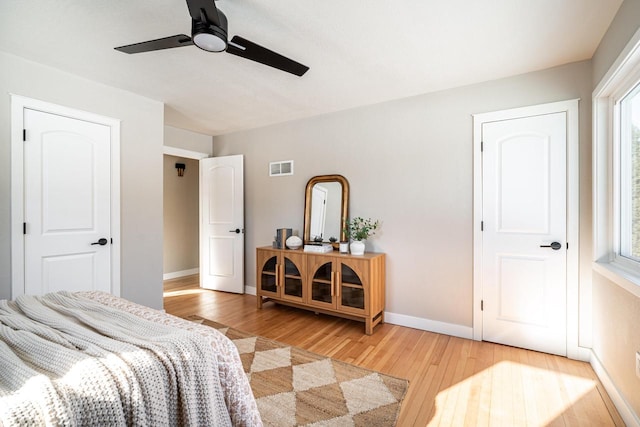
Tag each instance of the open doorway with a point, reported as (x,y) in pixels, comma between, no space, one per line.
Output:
(180,209)
(181,228)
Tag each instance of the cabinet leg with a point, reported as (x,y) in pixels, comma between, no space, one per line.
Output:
(368,326)
(259,300)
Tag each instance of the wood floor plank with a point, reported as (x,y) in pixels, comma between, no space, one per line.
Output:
(452,381)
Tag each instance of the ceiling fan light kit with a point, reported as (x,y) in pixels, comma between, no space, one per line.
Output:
(209,33)
(209,38)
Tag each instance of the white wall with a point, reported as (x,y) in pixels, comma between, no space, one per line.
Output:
(409,164)
(140,165)
(616,312)
(623,26)
(181,228)
(187,140)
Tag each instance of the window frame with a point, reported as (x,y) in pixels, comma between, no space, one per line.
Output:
(620,80)
(622,173)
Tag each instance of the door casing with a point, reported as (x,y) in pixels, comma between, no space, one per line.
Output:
(18,105)
(574,351)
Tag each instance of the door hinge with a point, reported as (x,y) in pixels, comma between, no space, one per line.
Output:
(112,240)
(24,135)
(481,305)
(481,146)
(567,245)
(24,228)
(481,225)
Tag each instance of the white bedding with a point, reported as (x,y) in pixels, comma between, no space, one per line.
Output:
(94,359)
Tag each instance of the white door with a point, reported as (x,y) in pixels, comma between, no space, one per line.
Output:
(222,224)
(524,256)
(319,212)
(67,195)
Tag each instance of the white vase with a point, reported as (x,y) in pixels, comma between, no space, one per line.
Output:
(357,247)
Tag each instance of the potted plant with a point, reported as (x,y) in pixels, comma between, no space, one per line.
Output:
(359,229)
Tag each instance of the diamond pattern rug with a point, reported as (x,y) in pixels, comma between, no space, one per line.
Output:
(294,387)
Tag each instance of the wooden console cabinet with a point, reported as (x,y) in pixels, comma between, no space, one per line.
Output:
(351,286)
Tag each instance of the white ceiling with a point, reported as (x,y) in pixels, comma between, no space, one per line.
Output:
(359,52)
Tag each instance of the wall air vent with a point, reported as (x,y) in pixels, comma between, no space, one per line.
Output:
(281,168)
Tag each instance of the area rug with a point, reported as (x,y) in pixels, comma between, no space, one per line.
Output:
(294,387)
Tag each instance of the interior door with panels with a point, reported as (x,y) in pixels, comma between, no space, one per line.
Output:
(524,256)
(222,223)
(67,196)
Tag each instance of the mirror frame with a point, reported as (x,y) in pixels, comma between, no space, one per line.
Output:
(344,209)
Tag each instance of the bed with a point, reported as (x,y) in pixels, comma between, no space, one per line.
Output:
(90,358)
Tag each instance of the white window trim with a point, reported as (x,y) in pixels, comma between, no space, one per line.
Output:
(619,78)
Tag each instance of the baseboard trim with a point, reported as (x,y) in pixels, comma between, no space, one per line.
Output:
(251,290)
(629,417)
(176,274)
(429,325)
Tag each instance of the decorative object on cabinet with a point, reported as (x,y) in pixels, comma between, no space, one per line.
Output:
(357,247)
(282,234)
(320,249)
(335,284)
(326,208)
(359,229)
(344,247)
(294,242)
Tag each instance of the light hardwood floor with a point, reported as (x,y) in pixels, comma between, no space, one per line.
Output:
(452,381)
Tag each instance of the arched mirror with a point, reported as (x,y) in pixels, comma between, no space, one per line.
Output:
(326,206)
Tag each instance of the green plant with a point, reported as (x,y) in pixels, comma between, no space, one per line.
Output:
(360,229)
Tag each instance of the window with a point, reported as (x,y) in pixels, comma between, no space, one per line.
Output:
(628,135)
(616,170)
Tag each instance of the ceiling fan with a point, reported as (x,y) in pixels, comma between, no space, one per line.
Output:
(209,32)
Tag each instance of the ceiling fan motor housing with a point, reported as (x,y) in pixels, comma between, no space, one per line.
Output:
(209,37)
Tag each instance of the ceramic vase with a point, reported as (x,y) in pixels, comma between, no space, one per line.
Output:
(357,247)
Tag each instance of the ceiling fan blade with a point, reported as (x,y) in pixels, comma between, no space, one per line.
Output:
(209,6)
(246,49)
(157,44)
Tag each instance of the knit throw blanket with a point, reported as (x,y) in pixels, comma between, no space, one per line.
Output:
(68,360)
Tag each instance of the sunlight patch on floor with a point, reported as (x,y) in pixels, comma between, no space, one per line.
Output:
(504,394)
(166,294)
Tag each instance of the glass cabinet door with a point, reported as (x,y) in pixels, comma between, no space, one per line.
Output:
(351,289)
(292,279)
(269,275)
(321,285)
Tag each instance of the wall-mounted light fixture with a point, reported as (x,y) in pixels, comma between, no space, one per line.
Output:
(181,168)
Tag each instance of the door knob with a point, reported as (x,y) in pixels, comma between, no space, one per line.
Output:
(237,231)
(554,245)
(101,242)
